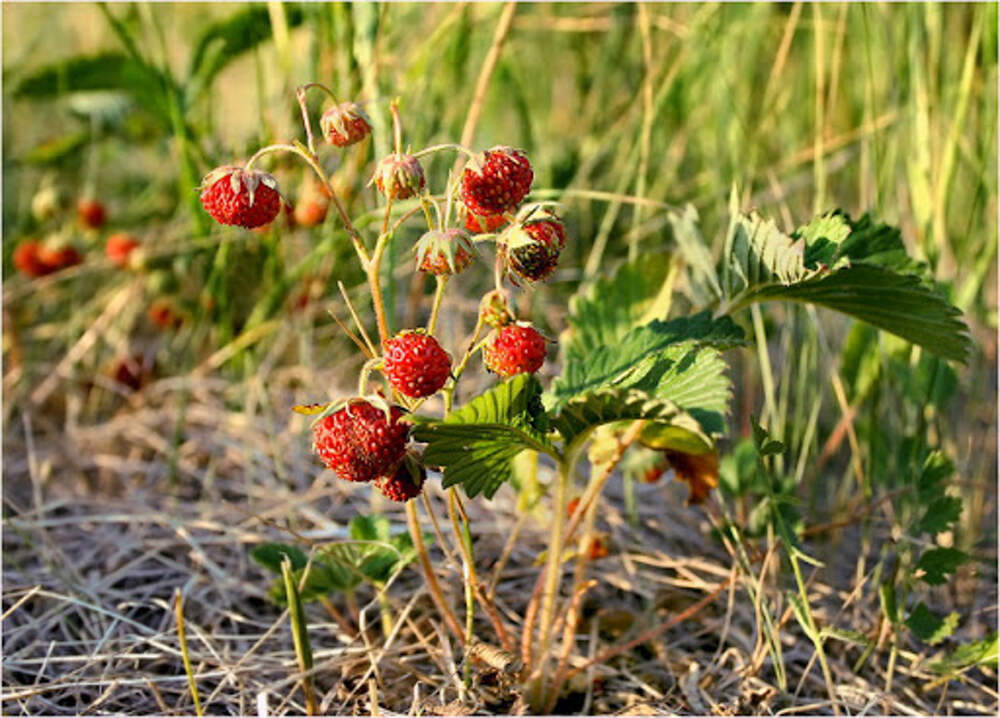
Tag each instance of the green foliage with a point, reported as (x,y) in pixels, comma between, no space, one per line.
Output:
(703,281)
(603,313)
(937,563)
(940,515)
(857,268)
(677,428)
(969,655)
(373,554)
(477,443)
(224,41)
(930,628)
(664,358)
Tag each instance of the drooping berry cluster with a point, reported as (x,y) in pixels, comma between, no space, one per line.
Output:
(359,443)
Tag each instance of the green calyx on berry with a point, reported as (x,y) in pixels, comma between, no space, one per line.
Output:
(444,253)
(532,246)
(493,310)
(345,125)
(399,176)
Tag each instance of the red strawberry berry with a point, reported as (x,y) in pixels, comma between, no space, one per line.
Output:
(238,197)
(358,443)
(533,249)
(514,349)
(477,224)
(119,246)
(163,315)
(444,253)
(314,201)
(58,257)
(132,371)
(598,548)
(399,176)
(415,364)
(90,213)
(652,474)
(405,483)
(496,181)
(25,258)
(345,124)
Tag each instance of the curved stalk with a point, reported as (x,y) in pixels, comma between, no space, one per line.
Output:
(442,282)
(413,522)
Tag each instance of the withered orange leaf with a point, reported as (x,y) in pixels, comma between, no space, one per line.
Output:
(700,471)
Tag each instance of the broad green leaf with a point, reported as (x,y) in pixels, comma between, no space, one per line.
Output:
(857,268)
(662,358)
(937,563)
(477,443)
(930,628)
(608,309)
(224,41)
(940,515)
(937,467)
(967,655)
(321,581)
(605,406)
(270,556)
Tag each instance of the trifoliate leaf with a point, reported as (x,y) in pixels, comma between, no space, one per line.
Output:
(477,443)
(930,628)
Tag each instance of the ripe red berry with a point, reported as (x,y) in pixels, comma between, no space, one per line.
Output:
(25,258)
(478,224)
(405,483)
(237,197)
(399,176)
(358,443)
(119,246)
(444,253)
(132,371)
(496,181)
(90,213)
(58,257)
(533,249)
(163,315)
(345,124)
(514,349)
(652,474)
(415,364)
(598,548)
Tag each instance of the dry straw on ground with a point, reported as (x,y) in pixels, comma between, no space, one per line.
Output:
(104,521)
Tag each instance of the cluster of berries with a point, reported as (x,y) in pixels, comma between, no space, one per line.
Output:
(366,439)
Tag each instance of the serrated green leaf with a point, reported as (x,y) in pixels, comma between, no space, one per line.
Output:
(477,443)
(670,437)
(897,303)
(937,563)
(940,515)
(668,359)
(321,581)
(608,309)
(930,628)
(759,254)
(605,406)
(270,556)
(937,467)
(967,655)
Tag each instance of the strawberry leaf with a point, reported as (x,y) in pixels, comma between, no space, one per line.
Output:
(939,562)
(477,443)
(930,628)
(609,308)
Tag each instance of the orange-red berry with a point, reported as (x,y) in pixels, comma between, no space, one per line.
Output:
(415,364)
(234,196)
(119,246)
(358,443)
(496,181)
(514,349)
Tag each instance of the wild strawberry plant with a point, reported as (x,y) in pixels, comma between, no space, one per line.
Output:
(633,376)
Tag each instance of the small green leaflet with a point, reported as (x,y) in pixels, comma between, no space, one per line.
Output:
(477,443)
(938,562)
(967,655)
(929,628)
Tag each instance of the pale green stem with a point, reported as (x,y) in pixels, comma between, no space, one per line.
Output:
(442,282)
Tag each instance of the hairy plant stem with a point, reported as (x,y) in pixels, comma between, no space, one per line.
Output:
(552,571)
(413,522)
(442,282)
(449,391)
